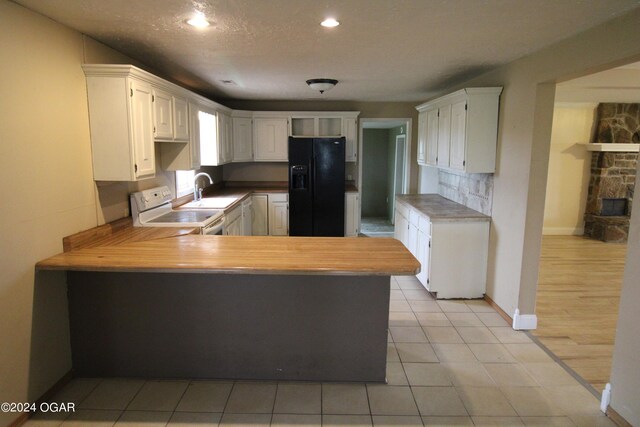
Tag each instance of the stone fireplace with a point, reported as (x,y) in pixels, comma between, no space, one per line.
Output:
(613,172)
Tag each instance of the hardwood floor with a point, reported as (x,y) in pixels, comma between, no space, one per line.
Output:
(577,303)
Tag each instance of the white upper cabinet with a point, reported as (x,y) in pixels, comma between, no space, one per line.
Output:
(422,137)
(225,138)
(143,147)
(270,139)
(170,117)
(444,135)
(121,125)
(242,139)
(350,126)
(162,114)
(431,137)
(461,130)
(458,133)
(180,119)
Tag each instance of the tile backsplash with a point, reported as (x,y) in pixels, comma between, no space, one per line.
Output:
(474,190)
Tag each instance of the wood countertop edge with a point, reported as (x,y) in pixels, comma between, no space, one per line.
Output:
(42,266)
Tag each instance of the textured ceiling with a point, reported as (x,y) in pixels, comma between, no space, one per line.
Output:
(384,50)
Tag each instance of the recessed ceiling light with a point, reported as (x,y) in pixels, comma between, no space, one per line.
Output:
(329,22)
(198,21)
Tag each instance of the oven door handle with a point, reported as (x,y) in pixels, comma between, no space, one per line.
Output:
(214,227)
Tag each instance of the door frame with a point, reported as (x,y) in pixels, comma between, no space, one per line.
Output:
(408,123)
(395,173)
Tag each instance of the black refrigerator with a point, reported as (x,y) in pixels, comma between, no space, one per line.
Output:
(316,186)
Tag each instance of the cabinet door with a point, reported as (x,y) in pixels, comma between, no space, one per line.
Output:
(142,129)
(259,224)
(350,132)
(444,135)
(278,218)
(422,254)
(431,151)
(162,115)
(234,228)
(401,229)
(181,119)
(225,142)
(247,217)
(422,137)
(458,135)
(194,140)
(228,143)
(270,139)
(242,139)
(412,239)
(351,218)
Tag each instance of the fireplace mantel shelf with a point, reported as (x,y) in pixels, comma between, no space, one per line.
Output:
(625,148)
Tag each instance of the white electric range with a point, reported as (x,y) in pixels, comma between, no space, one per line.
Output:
(152,208)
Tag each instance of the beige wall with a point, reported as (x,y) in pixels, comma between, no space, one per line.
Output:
(47,192)
(524,132)
(524,135)
(569,169)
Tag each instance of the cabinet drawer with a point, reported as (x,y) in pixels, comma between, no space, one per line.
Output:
(278,197)
(403,209)
(424,225)
(413,217)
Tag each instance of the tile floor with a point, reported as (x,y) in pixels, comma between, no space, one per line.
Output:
(450,363)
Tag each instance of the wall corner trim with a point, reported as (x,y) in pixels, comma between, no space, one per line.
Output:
(524,321)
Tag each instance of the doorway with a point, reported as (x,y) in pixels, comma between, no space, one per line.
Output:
(580,276)
(398,172)
(383,172)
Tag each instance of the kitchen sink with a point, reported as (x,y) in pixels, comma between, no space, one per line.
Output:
(211,203)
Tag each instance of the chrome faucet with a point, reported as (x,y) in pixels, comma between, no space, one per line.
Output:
(197,192)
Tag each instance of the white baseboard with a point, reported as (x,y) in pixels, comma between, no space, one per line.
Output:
(562,231)
(606,398)
(524,321)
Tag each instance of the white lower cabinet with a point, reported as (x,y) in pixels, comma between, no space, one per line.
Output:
(351,217)
(247,216)
(233,222)
(278,214)
(453,253)
(259,212)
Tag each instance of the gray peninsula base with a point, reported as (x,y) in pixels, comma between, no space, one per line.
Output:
(266,327)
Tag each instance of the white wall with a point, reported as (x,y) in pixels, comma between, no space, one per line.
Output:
(569,169)
(625,370)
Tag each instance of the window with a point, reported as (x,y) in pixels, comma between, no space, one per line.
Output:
(208,137)
(184,182)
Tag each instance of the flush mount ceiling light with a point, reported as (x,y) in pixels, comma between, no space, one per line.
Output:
(330,23)
(198,21)
(322,85)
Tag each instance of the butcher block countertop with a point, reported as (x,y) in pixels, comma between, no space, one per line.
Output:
(440,209)
(244,255)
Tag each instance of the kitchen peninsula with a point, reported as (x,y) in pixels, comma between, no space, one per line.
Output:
(193,306)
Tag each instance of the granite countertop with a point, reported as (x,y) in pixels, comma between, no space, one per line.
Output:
(440,209)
